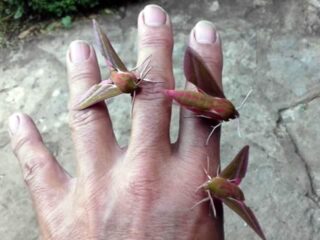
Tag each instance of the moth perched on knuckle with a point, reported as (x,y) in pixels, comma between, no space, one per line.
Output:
(225,188)
(208,100)
(121,80)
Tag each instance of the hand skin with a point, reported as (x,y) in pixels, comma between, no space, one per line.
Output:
(144,191)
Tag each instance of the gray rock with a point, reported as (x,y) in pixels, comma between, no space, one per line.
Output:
(270,46)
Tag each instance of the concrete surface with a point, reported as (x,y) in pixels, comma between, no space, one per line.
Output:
(272,46)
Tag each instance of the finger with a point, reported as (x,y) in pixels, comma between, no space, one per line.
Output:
(194,131)
(92,131)
(152,111)
(41,172)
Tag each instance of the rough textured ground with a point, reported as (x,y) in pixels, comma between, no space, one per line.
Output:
(271,46)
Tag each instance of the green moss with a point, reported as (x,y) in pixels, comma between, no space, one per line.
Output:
(60,7)
(48,8)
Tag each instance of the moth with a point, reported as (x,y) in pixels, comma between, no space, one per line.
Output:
(225,187)
(208,101)
(121,79)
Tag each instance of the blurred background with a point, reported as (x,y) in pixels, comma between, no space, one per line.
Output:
(271,46)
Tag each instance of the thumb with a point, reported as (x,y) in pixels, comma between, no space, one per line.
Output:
(41,172)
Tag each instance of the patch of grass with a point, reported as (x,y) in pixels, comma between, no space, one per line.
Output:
(20,18)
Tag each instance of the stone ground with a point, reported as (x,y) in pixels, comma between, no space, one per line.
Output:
(271,46)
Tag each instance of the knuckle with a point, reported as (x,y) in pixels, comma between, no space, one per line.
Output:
(144,189)
(159,73)
(32,166)
(83,118)
(20,143)
(152,92)
(160,80)
(156,40)
(80,73)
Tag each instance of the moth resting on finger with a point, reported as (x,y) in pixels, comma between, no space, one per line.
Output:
(121,79)
(225,187)
(208,101)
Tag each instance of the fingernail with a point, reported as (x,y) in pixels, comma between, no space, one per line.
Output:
(14,122)
(205,32)
(154,16)
(79,51)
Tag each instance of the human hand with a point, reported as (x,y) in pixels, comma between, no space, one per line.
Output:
(145,191)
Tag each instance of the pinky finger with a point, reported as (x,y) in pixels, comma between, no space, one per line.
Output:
(41,172)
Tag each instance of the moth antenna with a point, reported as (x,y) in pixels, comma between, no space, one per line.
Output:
(238,127)
(201,186)
(146,73)
(245,99)
(146,65)
(142,73)
(212,131)
(212,204)
(143,62)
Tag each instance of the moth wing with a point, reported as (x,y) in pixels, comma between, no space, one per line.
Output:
(106,49)
(179,97)
(201,91)
(237,168)
(197,73)
(97,93)
(246,214)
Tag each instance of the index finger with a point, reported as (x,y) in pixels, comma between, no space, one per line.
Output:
(92,131)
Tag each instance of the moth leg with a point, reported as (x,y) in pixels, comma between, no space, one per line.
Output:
(212,204)
(133,99)
(208,176)
(218,170)
(232,181)
(206,171)
(212,131)
(139,82)
(208,166)
(200,202)
(202,185)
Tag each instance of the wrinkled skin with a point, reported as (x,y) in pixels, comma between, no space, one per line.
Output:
(144,191)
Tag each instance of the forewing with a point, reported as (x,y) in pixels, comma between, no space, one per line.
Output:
(98,93)
(246,214)
(197,73)
(236,170)
(193,101)
(106,48)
